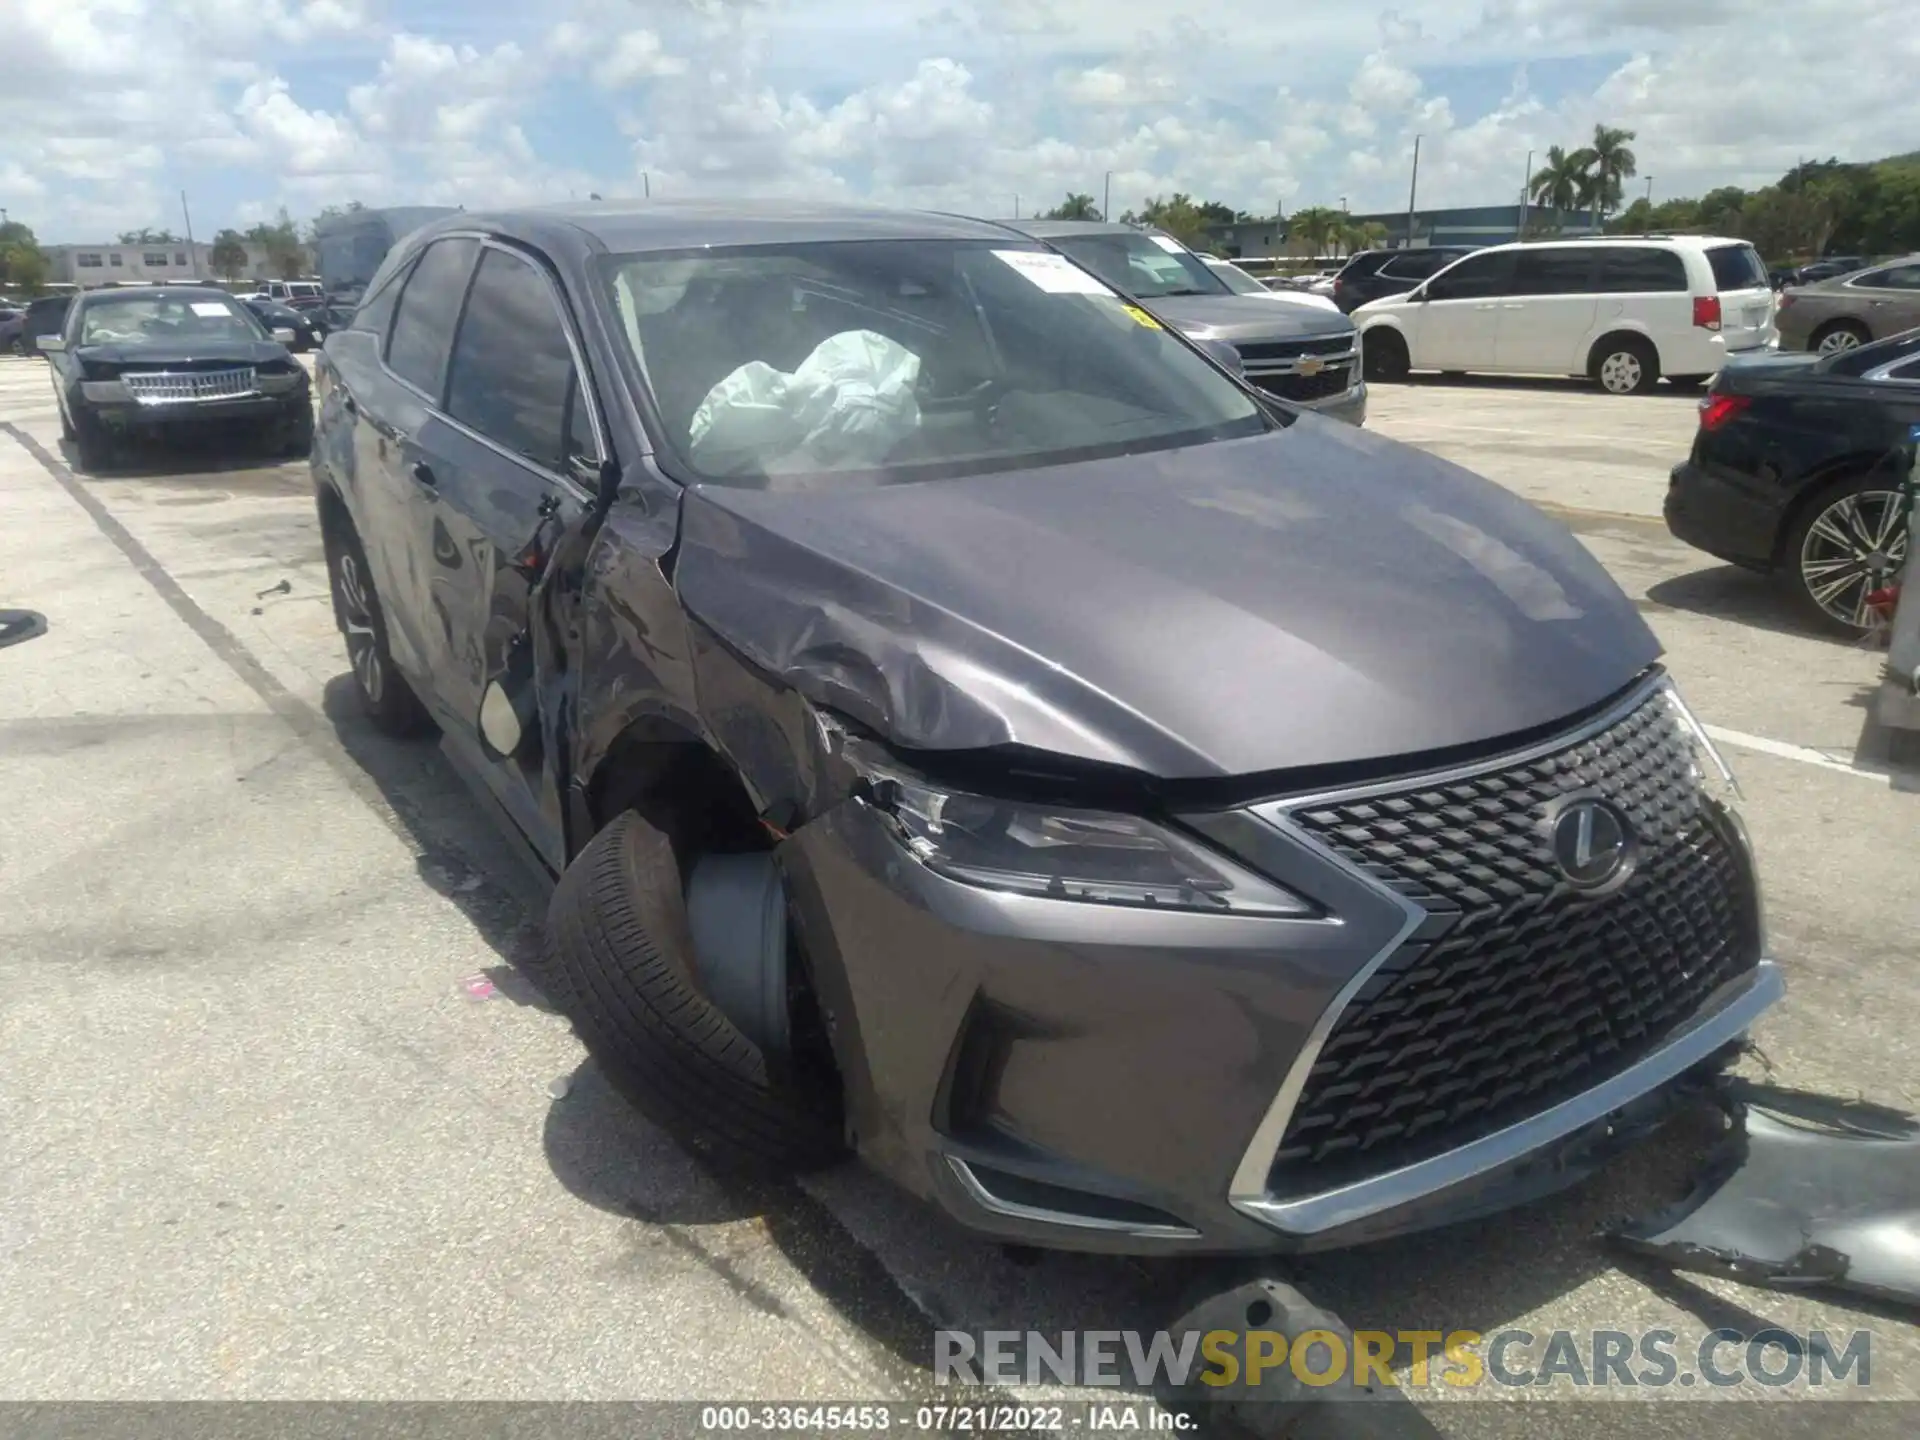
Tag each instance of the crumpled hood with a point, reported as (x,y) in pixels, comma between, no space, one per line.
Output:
(1314,596)
(1246,317)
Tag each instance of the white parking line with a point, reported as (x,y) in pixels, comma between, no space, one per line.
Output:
(1806,755)
(1655,442)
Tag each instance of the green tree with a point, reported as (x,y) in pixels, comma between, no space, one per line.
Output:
(281,240)
(144,236)
(228,255)
(1212,212)
(1609,164)
(1719,211)
(22,262)
(1177,215)
(1074,207)
(1556,184)
(1364,235)
(331,212)
(1319,227)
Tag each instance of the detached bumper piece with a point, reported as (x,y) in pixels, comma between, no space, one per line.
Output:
(19,625)
(1806,1191)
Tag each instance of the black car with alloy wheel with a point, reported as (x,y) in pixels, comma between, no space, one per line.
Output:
(941,696)
(135,363)
(1796,471)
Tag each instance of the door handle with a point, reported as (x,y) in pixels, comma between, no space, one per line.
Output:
(423,475)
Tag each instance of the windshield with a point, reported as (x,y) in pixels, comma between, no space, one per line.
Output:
(1150,266)
(1237,280)
(164,319)
(873,362)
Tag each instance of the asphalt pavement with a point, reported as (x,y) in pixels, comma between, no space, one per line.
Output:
(280,1120)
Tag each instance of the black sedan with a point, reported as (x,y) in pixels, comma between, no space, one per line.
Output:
(142,361)
(1796,471)
(309,327)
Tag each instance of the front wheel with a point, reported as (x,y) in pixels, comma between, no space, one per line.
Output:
(1848,543)
(384,693)
(91,443)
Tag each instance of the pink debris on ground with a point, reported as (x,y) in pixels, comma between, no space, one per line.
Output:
(478,987)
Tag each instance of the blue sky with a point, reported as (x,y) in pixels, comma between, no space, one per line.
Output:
(108,108)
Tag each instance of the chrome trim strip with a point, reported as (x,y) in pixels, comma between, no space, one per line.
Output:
(992,1203)
(1735,1014)
(1248,1190)
(1654,680)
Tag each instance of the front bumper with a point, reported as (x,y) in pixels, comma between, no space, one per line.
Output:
(1350,407)
(1090,1077)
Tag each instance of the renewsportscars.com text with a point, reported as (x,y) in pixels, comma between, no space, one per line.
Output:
(1462,1359)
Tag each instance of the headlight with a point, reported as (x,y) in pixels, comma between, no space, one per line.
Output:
(1710,769)
(1064,854)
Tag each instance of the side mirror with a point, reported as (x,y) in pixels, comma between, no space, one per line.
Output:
(599,478)
(50,342)
(284,335)
(1226,354)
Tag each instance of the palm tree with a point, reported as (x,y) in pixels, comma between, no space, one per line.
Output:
(1367,235)
(1075,207)
(1556,184)
(1610,163)
(1317,225)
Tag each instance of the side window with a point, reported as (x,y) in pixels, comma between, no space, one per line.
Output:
(375,312)
(1894,277)
(1555,270)
(1635,270)
(512,376)
(1478,277)
(422,329)
(1416,265)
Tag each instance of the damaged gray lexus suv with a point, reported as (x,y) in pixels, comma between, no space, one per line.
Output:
(967,726)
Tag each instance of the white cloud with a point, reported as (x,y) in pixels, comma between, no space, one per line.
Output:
(105,105)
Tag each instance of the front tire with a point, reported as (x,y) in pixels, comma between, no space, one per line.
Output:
(384,693)
(1625,365)
(619,960)
(91,443)
(1844,545)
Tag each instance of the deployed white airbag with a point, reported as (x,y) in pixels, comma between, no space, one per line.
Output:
(850,402)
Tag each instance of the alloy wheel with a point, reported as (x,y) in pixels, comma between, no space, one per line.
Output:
(1854,547)
(1839,342)
(1620,372)
(363,644)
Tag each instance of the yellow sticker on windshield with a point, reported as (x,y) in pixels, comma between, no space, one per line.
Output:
(1141,317)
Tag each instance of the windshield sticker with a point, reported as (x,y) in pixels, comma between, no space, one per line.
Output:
(1169,244)
(211,309)
(1055,274)
(1141,317)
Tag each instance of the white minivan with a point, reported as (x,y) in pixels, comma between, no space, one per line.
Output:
(1623,311)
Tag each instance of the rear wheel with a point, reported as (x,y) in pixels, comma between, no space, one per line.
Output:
(1837,337)
(1386,354)
(1625,365)
(389,701)
(1845,545)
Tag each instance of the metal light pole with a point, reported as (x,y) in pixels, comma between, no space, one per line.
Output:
(193,260)
(1526,199)
(1649,190)
(646,185)
(1413,188)
(1106,198)
(1016,207)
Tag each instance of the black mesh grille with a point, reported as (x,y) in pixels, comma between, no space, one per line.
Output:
(1520,991)
(1334,380)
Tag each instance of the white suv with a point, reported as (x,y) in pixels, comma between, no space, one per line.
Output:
(1624,311)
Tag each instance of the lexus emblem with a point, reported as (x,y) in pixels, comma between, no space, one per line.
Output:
(1591,843)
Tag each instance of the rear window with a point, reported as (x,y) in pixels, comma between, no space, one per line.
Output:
(1635,270)
(1737,267)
